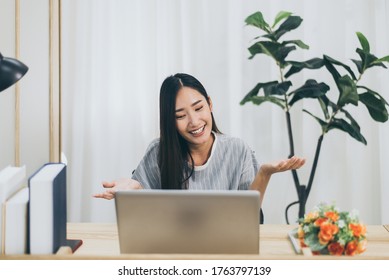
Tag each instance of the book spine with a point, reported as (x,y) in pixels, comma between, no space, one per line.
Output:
(59,210)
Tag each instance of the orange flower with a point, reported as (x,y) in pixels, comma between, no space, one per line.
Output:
(311,216)
(352,248)
(362,246)
(302,243)
(300,232)
(335,248)
(319,221)
(332,215)
(357,229)
(327,232)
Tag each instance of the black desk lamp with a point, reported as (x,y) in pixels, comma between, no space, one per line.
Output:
(11,71)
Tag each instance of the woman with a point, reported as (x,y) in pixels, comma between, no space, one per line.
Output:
(191,153)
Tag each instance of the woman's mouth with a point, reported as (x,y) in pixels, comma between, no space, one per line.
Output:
(197,132)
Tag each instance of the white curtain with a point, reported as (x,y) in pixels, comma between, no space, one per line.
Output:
(116,53)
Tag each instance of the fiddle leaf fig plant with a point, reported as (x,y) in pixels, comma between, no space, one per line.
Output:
(284,94)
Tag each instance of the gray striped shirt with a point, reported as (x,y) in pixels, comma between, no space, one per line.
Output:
(231,166)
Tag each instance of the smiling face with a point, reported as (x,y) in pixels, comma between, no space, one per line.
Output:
(193,117)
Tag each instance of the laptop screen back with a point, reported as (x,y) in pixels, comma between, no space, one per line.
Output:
(188,222)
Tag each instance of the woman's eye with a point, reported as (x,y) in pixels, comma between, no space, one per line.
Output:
(198,109)
(180,117)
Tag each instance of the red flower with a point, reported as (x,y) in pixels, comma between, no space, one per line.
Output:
(335,248)
(352,248)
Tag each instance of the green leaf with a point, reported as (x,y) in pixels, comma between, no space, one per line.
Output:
(256,90)
(311,89)
(346,127)
(297,66)
(270,36)
(257,20)
(324,107)
(347,91)
(364,42)
(375,93)
(292,22)
(327,63)
(280,16)
(270,88)
(368,60)
(298,43)
(335,62)
(322,123)
(353,122)
(258,100)
(329,103)
(383,59)
(375,106)
(377,63)
(313,242)
(325,104)
(277,89)
(272,49)
(359,65)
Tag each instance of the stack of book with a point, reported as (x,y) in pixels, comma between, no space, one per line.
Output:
(33,217)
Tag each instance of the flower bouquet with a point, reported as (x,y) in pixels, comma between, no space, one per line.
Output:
(325,230)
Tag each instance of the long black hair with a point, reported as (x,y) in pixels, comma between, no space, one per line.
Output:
(173,148)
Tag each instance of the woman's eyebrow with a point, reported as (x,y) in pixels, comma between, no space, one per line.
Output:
(193,104)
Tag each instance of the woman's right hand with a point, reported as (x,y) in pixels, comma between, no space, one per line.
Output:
(118,185)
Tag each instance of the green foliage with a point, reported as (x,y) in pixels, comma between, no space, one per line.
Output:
(284,94)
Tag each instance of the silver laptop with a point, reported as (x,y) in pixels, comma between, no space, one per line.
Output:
(188,222)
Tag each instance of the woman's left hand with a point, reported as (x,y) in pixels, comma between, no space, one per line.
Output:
(294,162)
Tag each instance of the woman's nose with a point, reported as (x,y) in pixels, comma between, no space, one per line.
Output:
(193,119)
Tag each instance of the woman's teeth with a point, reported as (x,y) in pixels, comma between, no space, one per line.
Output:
(198,130)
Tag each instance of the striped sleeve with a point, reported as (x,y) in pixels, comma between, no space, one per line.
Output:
(147,173)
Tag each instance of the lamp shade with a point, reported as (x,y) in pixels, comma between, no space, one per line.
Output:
(11,71)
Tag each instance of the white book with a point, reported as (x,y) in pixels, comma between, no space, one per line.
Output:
(47,209)
(15,209)
(11,179)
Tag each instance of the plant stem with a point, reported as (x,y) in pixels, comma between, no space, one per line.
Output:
(315,161)
(291,149)
(300,189)
(303,196)
(290,134)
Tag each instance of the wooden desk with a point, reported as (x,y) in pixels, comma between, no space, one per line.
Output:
(101,241)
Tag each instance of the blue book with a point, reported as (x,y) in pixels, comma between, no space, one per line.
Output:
(47,210)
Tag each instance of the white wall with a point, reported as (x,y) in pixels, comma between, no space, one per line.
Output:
(116,54)
(34,86)
(7,97)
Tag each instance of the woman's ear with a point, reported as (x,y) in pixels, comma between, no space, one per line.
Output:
(210,103)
